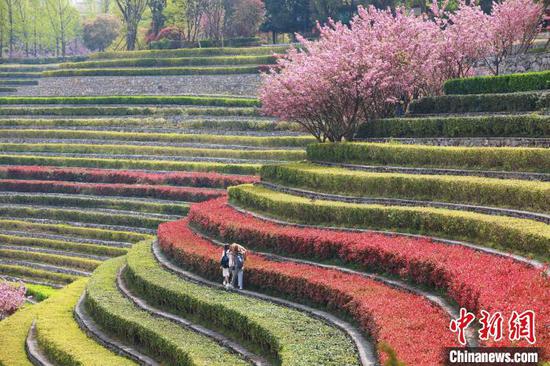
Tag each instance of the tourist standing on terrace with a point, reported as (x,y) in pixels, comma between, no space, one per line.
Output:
(239,257)
(226,262)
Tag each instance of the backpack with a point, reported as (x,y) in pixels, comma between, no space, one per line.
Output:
(239,261)
(225,260)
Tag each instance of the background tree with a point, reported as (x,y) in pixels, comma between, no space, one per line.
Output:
(246,18)
(132,12)
(157,16)
(63,18)
(188,16)
(10,8)
(213,19)
(287,16)
(100,32)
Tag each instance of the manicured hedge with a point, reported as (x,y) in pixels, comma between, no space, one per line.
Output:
(250,169)
(18,82)
(125,111)
(188,179)
(164,340)
(191,52)
(474,280)
(499,84)
(41,60)
(283,334)
(137,99)
(19,75)
(53,259)
(6,89)
(374,306)
(275,141)
(511,102)
(260,154)
(36,274)
(154,71)
(73,247)
(515,194)
(83,216)
(76,200)
(191,194)
(164,62)
(532,125)
(475,158)
(39,292)
(62,340)
(61,229)
(526,237)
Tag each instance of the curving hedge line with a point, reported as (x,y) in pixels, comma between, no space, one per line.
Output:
(249,169)
(54,259)
(474,103)
(191,52)
(62,340)
(526,237)
(62,229)
(285,335)
(154,150)
(36,274)
(125,111)
(72,247)
(475,158)
(153,71)
(515,194)
(499,84)
(162,339)
(137,99)
(39,292)
(532,125)
(173,61)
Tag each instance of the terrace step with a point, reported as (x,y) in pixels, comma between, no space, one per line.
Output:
(209,306)
(60,338)
(45,267)
(129,203)
(154,71)
(464,141)
(65,238)
(30,280)
(525,237)
(160,338)
(545,177)
(34,353)
(51,251)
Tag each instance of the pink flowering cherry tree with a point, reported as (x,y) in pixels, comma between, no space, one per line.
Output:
(11,298)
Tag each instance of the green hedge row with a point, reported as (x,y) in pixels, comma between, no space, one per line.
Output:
(53,259)
(71,200)
(514,194)
(20,75)
(39,292)
(73,247)
(156,150)
(36,274)
(473,103)
(245,169)
(7,89)
(476,158)
(41,60)
(525,237)
(153,71)
(191,52)
(60,337)
(499,84)
(164,340)
(176,61)
(286,335)
(18,82)
(531,125)
(83,232)
(137,99)
(125,111)
(72,214)
(269,141)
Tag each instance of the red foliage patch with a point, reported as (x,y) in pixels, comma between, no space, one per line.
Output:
(193,179)
(415,328)
(475,280)
(133,190)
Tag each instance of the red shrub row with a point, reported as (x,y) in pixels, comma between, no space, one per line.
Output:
(475,280)
(189,194)
(193,179)
(408,323)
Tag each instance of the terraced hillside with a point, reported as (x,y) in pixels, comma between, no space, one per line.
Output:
(77,190)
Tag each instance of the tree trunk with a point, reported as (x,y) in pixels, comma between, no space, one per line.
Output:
(131,36)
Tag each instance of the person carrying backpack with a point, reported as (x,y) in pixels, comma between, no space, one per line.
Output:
(239,258)
(226,262)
